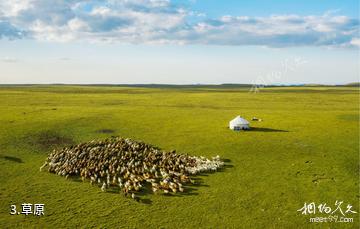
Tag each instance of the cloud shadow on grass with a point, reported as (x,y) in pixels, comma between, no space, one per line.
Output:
(11,158)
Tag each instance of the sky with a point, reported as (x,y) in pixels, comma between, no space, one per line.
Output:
(179,42)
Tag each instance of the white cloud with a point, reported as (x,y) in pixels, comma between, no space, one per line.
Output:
(101,10)
(355,42)
(9,60)
(12,8)
(77,24)
(64,59)
(162,22)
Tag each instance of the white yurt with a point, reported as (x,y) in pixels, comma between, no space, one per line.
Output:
(239,123)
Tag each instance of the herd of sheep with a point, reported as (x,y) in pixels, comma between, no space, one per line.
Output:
(128,165)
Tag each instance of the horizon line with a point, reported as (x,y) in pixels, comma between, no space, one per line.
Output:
(179,85)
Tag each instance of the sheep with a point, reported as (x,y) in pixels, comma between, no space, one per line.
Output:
(128,165)
(43,166)
(103,187)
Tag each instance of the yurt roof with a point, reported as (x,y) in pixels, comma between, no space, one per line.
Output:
(239,120)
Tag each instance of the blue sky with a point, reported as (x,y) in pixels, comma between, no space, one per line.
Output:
(216,8)
(179,42)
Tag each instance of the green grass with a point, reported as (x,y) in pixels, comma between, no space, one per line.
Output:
(306,134)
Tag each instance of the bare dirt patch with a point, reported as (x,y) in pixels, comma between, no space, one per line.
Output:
(105,131)
(49,140)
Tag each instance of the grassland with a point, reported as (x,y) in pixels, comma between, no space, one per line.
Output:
(306,149)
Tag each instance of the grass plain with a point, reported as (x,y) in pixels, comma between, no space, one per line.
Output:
(306,149)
